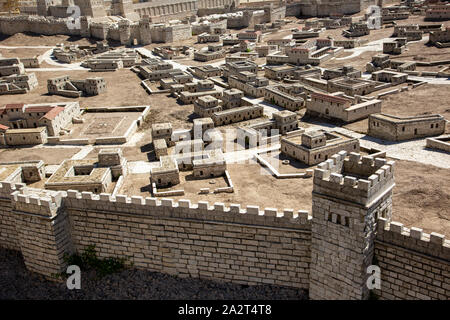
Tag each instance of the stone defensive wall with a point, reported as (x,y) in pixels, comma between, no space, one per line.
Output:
(414,264)
(10,25)
(126,33)
(245,245)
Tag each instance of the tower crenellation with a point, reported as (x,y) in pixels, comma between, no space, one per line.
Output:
(349,195)
(356,178)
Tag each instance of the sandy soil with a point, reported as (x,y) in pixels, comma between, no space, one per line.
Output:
(253,186)
(422,197)
(101,124)
(48,155)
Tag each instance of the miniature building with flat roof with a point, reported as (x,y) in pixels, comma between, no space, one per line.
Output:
(95,176)
(317,146)
(201,125)
(205,72)
(232,98)
(214,165)
(162,131)
(288,97)
(205,106)
(167,174)
(160,147)
(237,114)
(392,128)
(348,71)
(66,87)
(22,171)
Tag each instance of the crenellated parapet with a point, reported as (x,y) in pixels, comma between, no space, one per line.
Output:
(183,208)
(396,234)
(359,179)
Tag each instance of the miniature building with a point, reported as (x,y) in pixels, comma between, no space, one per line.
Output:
(232,98)
(396,46)
(167,174)
(17,137)
(280,72)
(162,131)
(331,106)
(160,147)
(212,53)
(348,71)
(382,61)
(317,146)
(54,116)
(201,125)
(303,34)
(205,106)
(259,133)
(234,68)
(172,52)
(394,128)
(441,143)
(351,86)
(440,38)
(347,43)
(22,171)
(237,114)
(66,87)
(411,32)
(10,66)
(249,83)
(263,51)
(288,97)
(206,37)
(438,12)
(113,60)
(285,121)
(357,29)
(313,52)
(249,35)
(187,97)
(212,166)
(205,72)
(157,72)
(390,76)
(89,175)
(18,83)
(188,146)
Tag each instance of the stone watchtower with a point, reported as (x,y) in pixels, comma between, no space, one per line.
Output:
(144,30)
(349,195)
(125,32)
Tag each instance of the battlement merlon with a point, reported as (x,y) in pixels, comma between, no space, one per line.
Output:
(413,238)
(184,208)
(7,188)
(45,203)
(359,179)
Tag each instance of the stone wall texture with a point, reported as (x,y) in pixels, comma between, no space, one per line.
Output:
(327,253)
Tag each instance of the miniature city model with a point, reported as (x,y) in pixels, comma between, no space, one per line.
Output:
(253,149)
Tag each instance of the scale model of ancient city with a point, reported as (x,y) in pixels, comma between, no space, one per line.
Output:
(298,144)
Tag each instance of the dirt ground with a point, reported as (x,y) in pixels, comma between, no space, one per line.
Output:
(48,155)
(252,183)
(422,197)
(123,87)
(102,124)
